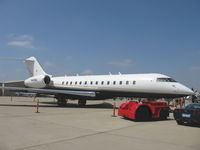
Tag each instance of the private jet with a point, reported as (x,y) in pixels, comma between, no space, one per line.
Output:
(99,87)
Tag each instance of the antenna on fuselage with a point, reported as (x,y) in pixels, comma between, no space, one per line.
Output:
(119,73)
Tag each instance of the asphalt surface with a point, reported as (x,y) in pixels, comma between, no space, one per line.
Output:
(86,128)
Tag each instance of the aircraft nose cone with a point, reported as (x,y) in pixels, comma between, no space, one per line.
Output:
(184,90)
(188,91)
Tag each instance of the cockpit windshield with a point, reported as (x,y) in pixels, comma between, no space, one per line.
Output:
(165,80)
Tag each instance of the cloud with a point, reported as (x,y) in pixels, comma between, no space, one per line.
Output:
(195,68)
(25,37)
(49,64)
(20,37)
(123,63)
(25,44)
(24,41)
(87,72)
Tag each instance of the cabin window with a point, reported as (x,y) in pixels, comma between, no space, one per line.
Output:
(127,82)
(120,82)
(165,80)
(80,82)
(76,83)
(134,82)
(63,83)
(66,83)
(91,82)
(114,82)
(102,82)
(108,82)
(71,83)
(85,82)
(96,82)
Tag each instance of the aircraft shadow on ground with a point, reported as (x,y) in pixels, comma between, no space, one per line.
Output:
(103,105)
(21,105)
(151,120)
(169,119)
(69,105)
(191,125)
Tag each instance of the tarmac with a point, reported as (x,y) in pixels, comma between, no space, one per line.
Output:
(85,128)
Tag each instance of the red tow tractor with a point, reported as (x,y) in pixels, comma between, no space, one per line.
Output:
(146,110)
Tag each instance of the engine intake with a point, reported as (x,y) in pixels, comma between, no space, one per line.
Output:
(47,80)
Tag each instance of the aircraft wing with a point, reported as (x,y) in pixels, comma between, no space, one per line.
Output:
(51,91)
(18,83)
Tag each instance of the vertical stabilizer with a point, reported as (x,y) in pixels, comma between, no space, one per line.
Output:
(34,67)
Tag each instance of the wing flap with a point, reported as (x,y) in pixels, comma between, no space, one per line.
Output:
(51,91)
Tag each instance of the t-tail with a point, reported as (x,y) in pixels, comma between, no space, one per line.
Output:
(39,78)
(33,66)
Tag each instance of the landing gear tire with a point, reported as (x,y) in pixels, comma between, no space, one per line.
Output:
(143,114)
(179,122)
(164,114)
(62,101)
(81,102)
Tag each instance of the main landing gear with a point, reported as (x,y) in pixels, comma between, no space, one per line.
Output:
(81,102)
(61,101)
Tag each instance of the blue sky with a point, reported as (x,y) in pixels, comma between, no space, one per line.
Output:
(101,36)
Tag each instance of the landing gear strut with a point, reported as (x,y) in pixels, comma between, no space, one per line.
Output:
(61,101)
(81,102)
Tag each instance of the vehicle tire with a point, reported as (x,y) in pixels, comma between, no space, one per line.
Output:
(164,114)
(179,122)
(143,114)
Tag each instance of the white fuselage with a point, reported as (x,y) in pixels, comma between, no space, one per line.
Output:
(157,84)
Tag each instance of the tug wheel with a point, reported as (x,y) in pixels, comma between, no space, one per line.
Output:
(164,114)
(143,114)
(179,122)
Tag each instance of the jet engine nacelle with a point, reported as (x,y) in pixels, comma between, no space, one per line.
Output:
(40,81)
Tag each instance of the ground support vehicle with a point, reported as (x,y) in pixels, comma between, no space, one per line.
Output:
(146,110)
(190,114)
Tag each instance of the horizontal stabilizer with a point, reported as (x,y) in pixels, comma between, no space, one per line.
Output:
(13,59)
